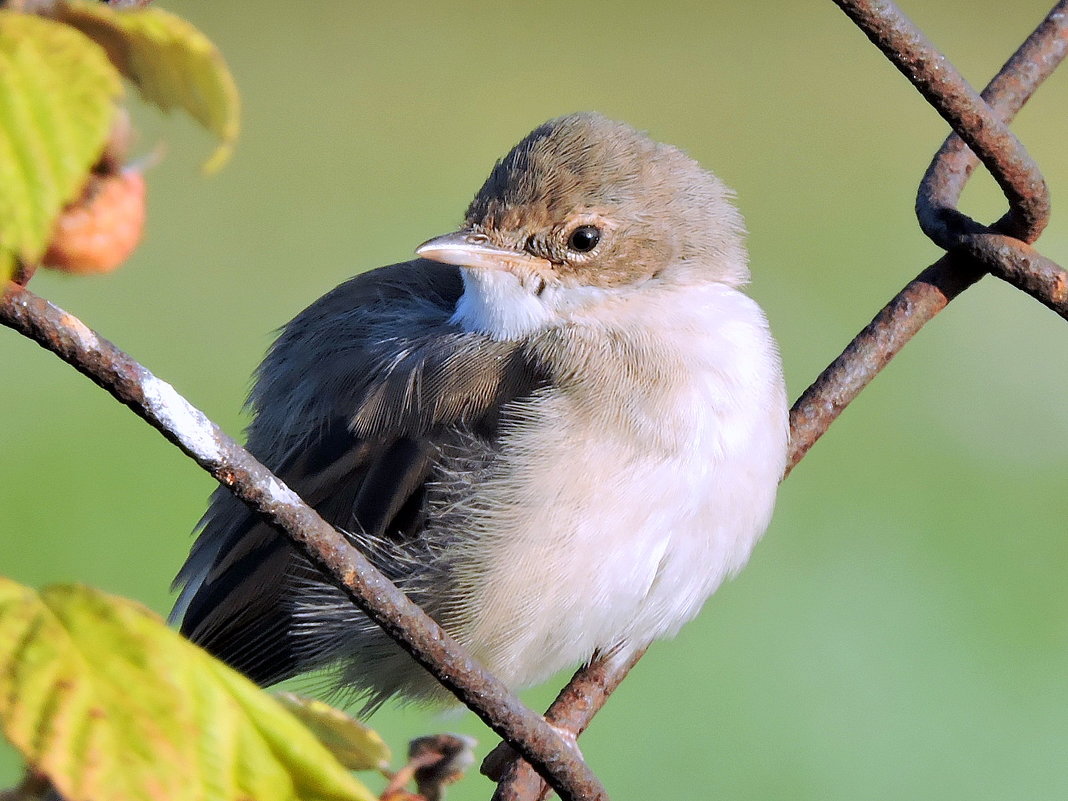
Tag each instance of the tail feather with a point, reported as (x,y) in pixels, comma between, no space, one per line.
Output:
(233,600)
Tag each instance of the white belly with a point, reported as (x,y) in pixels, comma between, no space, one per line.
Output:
(622,512)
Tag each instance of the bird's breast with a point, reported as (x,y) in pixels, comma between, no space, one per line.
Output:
(621,497)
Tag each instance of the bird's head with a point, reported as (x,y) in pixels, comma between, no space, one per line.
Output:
(585,208)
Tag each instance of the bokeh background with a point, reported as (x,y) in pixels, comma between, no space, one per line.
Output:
(901,632)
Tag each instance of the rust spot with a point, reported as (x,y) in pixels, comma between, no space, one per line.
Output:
(1060,286)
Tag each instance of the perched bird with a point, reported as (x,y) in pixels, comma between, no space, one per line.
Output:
(559,430)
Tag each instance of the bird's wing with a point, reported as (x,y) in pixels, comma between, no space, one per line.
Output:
(349,407)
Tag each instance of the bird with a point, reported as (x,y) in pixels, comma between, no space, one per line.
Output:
(558,429)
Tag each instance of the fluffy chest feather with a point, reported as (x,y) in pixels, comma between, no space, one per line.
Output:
(623,496)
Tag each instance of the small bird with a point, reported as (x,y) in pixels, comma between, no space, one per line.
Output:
(558,431)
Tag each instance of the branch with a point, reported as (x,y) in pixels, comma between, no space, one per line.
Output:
(164,409)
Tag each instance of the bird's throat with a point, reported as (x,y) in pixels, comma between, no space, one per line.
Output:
(498,304)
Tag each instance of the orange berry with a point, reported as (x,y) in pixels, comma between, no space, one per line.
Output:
(96,233)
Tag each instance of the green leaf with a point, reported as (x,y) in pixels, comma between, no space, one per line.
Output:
(172,63)
(97,693)
(356,746)
(57,93)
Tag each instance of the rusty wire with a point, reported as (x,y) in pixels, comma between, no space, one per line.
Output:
(980,127)
(973,249)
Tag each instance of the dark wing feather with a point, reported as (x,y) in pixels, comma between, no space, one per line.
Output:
(349,407)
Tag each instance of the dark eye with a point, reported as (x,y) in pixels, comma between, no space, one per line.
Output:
(584,238)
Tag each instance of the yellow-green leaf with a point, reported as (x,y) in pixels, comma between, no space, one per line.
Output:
(57,100)
(172,63)
(356,746)
(97,693)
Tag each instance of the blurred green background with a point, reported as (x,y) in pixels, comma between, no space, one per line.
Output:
(901,632)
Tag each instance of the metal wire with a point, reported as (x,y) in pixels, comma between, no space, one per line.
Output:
(972,249)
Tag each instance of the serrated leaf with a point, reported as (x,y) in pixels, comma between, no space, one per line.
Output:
(356,746)
(172,63)
(57,93)
(97,693)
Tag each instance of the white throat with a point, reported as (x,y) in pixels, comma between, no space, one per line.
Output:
(497,304)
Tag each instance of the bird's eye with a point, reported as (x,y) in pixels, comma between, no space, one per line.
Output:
(584,238)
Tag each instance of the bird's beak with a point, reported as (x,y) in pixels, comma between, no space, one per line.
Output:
(468,249)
